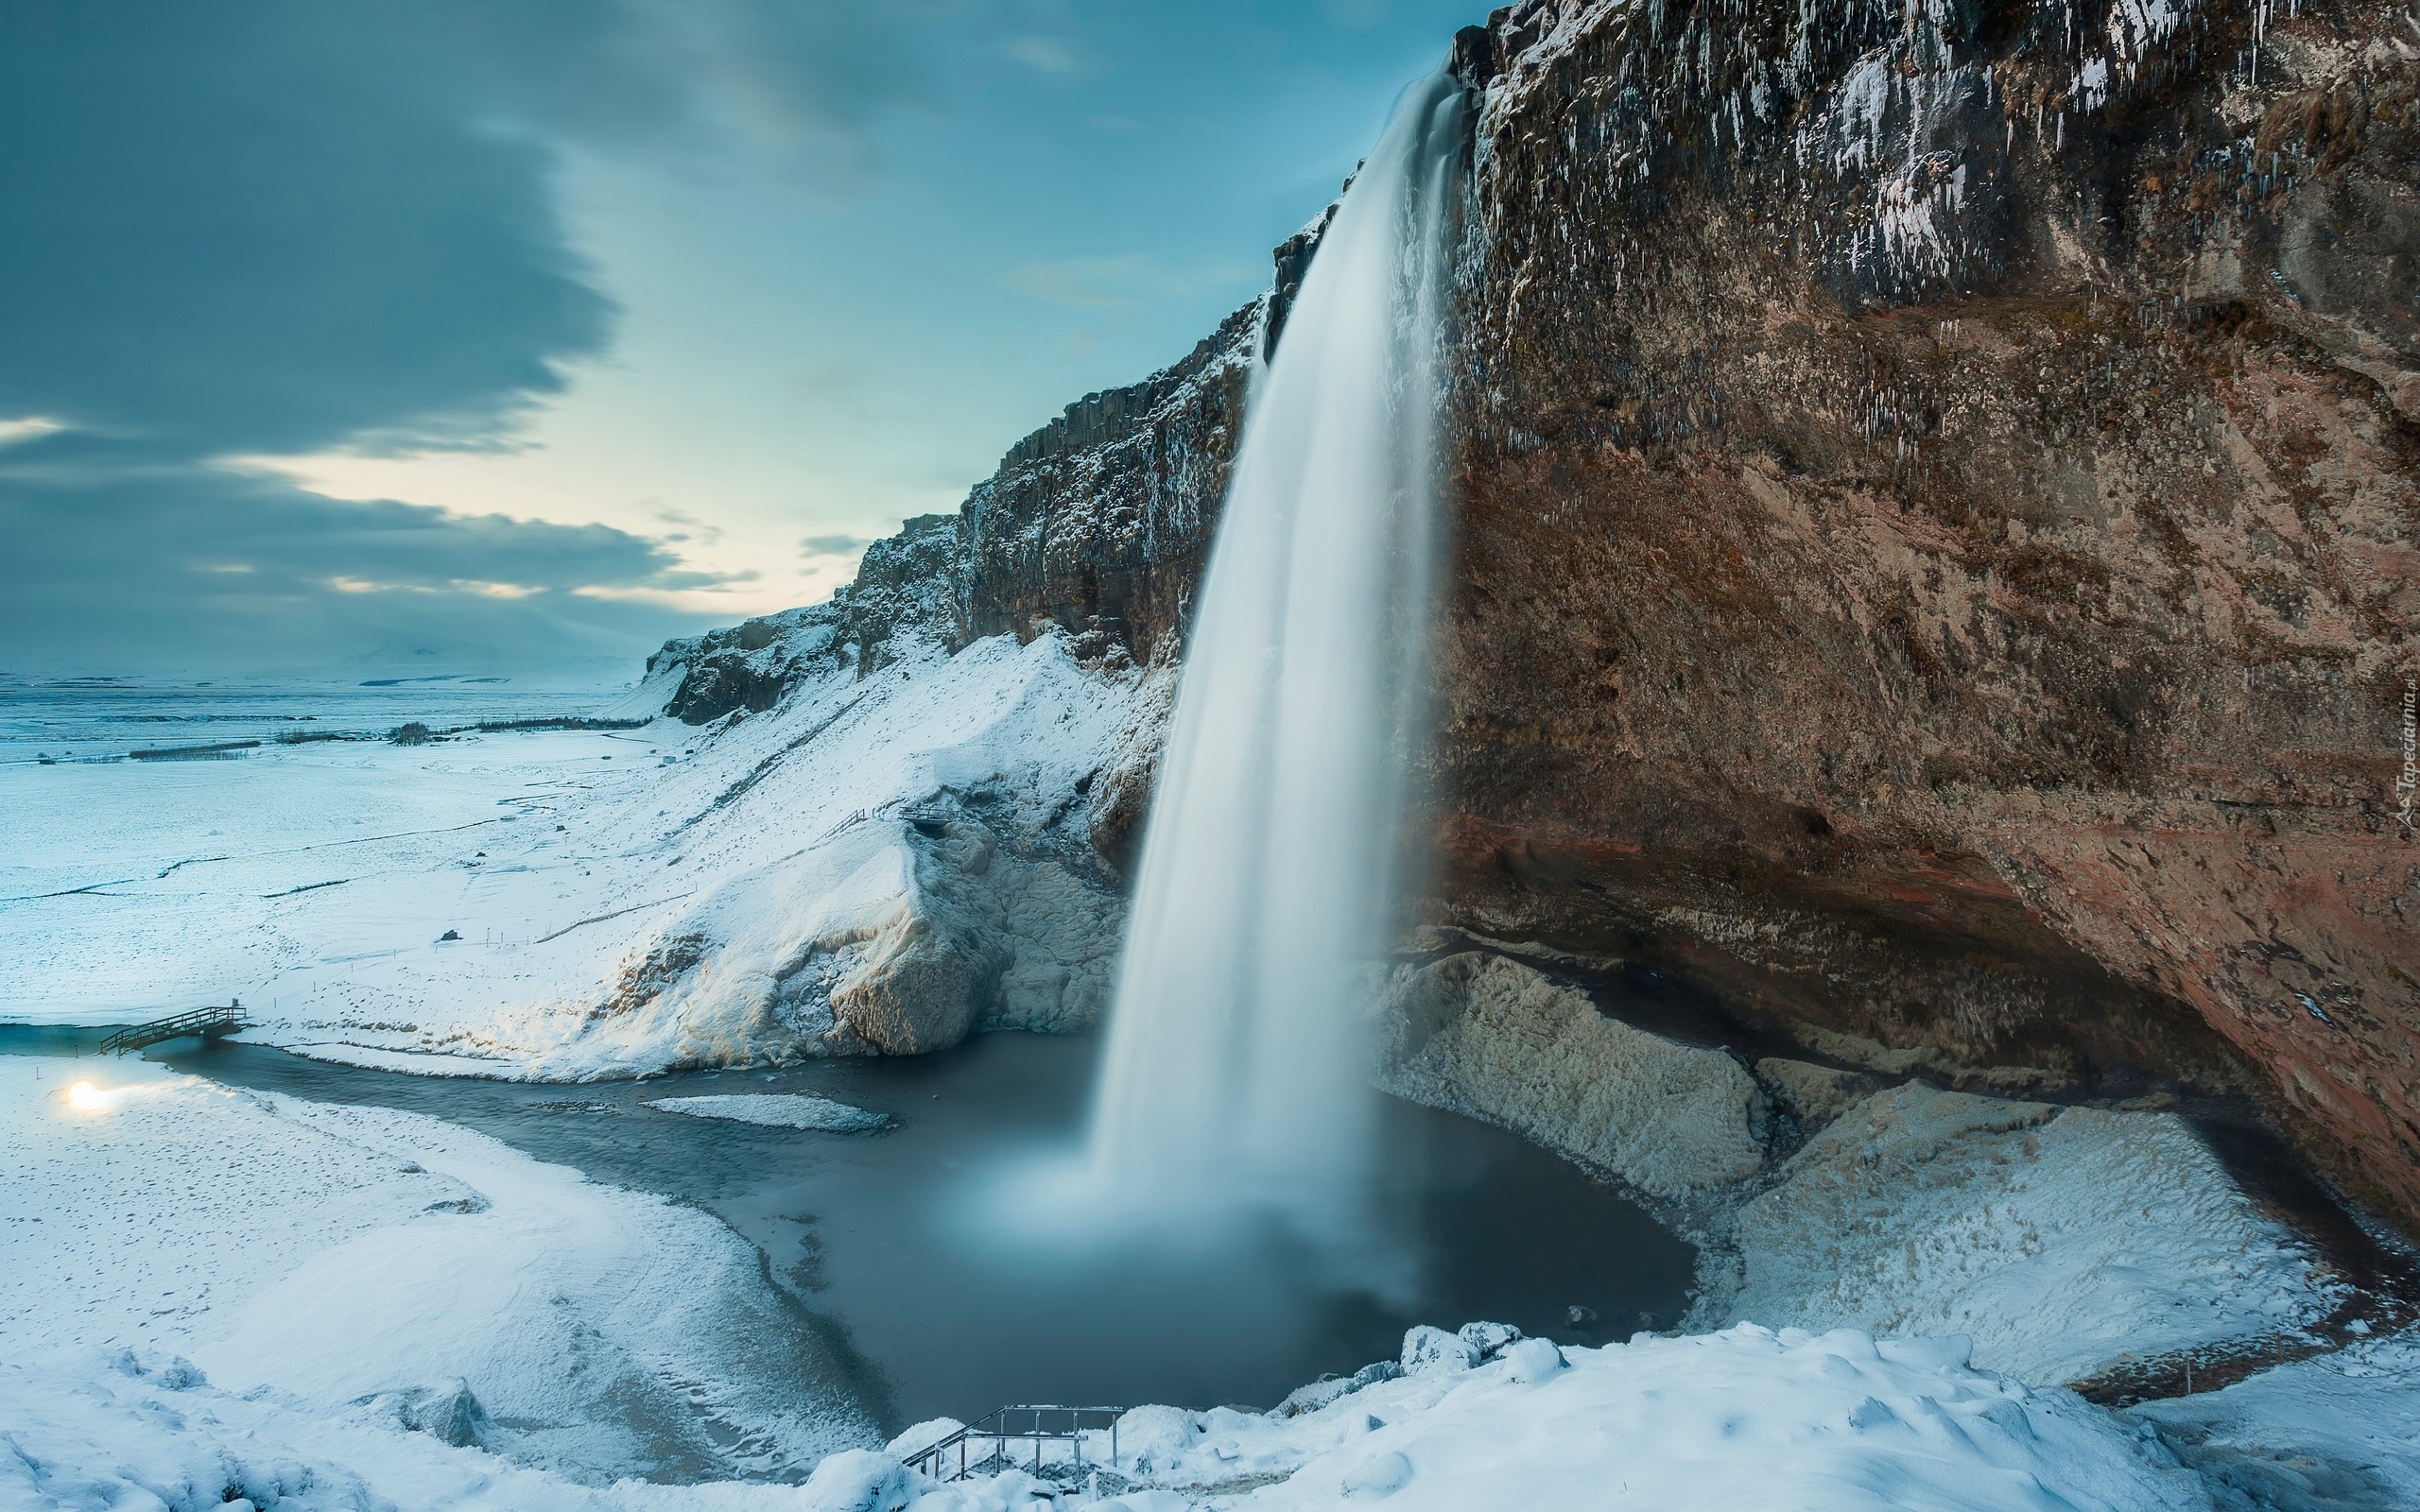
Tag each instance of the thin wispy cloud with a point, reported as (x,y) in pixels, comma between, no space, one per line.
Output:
(814,547)
(1353,16)
(1051,57)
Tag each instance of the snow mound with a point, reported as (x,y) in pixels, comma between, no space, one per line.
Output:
(778,1110)
(1748,1417)
(2060,1238)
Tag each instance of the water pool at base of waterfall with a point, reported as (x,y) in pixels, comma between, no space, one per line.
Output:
(880,1236)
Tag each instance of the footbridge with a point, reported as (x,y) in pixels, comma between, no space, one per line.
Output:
(207,1023)
(997,1441)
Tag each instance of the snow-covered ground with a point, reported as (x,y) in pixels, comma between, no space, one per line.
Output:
(2335,1430)
(373,1266)
(2063,1241)
(873,863)
(207,1294)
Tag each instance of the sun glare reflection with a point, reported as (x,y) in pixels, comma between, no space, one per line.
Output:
(84,1097)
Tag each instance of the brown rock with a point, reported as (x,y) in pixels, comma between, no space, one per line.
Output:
(1884,597)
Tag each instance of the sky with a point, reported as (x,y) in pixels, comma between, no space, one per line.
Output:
(488,334)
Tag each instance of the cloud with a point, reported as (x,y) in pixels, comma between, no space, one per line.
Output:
(14,430)
(239,228)
(799,81)
(690,527)
(277,226)
(132,567)
(814,547)
(1052,57)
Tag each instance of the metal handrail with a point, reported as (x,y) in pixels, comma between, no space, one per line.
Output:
(203,1021)
(1005,1424)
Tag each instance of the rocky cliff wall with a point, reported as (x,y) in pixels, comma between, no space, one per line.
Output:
(1936,577)
(1937,564)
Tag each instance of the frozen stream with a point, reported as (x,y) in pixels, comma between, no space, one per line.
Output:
(931,1313)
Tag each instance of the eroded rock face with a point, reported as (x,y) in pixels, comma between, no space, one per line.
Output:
(1937,556)
(747,667)
(1102,519)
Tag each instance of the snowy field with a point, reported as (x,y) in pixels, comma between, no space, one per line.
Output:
(370,1266)
(617,902)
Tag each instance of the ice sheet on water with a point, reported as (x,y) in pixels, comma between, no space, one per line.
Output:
(779,1111)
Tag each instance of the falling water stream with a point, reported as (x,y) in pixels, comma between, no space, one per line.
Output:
(1234,1072)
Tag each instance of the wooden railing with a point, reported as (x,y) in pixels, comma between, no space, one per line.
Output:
(953,1458)
(207,1022)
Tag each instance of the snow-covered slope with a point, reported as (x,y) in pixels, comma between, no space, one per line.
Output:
(379,1267)
(878,862)
(2060,1238)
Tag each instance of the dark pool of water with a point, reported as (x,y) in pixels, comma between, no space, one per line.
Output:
(883,1240)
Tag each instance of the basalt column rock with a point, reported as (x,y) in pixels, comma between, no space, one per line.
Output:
(1101,521)
(1936,553)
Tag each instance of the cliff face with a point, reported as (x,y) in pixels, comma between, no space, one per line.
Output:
(1936,556)
(1100,522)
(1936,573)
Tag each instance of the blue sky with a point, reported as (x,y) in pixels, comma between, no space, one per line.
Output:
(522,330)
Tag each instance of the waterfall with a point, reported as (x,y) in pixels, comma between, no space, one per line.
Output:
(1234,1068)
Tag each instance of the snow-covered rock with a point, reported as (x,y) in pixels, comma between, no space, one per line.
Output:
(1488,1339)
(1497,1040)
(1812,1094)
(1376,1478)
(447,1411)
(1530,1361)
(2338,1430)
(859,1479)
(2060,1238)
(1430,1351)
